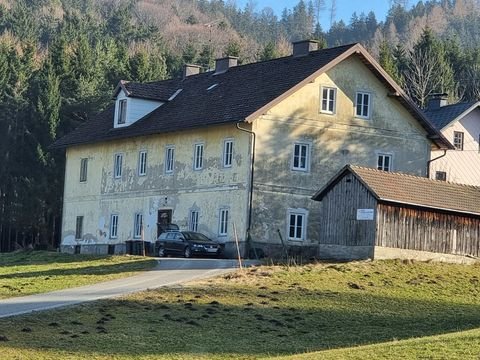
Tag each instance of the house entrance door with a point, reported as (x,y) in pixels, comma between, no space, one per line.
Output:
(164,219)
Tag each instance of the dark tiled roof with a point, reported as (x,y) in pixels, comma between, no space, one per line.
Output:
(444,115)
(412,190)
(242,91)
(156,90)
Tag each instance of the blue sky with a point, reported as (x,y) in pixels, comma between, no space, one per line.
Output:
(345,8)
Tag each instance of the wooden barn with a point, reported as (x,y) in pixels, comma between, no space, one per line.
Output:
(365,211)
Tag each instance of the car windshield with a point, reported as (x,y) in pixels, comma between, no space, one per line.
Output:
(196,236)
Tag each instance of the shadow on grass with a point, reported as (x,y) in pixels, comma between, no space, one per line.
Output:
(100,269)
(187,322)
(40,257)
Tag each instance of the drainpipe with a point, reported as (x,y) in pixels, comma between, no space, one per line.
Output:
(432,160)
(250,200)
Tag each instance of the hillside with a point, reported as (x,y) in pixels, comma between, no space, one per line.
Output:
(61,59)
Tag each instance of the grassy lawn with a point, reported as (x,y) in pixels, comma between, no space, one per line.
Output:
(389,310)
(32,272)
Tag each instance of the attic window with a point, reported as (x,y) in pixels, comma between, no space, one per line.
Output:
(212,87)
(122,111)
(175,94)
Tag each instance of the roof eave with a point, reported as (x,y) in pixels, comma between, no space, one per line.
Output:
(319,195)
(147,98)
(433,133)
(120,86)
(386,200)
(129,136)
(463,114)
(354,48)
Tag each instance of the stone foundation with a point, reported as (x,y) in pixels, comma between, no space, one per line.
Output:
(341,252)
(95,249)
(279,252)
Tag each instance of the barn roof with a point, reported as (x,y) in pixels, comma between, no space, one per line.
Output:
(411,190)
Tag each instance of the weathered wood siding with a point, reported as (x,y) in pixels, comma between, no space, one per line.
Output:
(338,216)
(417,229)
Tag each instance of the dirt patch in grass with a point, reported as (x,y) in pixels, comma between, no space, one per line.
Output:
(292,310)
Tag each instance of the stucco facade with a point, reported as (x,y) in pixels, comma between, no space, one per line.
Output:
(335,140)
(207,190)
(301,139)
(460,166)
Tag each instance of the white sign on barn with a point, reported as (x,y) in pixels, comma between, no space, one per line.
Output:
(364,214)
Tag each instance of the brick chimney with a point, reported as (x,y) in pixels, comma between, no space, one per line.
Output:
(436,101)
(303,47)
(222,65)
(189,69)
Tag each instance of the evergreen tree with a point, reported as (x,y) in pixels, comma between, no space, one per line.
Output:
(233,49)
(206,58)
(387,61)
(189,54)
(269,52)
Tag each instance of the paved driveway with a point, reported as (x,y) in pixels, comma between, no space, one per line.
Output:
(168,272)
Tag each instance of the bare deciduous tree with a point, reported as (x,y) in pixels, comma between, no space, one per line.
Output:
(319,6)
(333,11)
(421,76)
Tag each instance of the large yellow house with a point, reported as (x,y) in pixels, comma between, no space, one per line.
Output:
(237,151)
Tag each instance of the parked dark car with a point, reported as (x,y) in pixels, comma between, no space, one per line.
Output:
(186,243)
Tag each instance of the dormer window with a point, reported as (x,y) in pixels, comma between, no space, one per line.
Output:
(122,112)
(132,104)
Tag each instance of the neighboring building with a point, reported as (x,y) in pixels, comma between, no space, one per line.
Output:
(460,124)
(183,150)
(366,211)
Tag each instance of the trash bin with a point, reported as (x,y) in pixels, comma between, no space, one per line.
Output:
(129,247)
(136,247)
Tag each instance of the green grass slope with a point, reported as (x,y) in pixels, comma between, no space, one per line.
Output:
(362,310)
(33,272)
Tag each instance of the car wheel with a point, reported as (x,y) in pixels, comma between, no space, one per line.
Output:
(187,252)
(161,252)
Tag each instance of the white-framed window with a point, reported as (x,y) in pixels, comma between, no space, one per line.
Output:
(117,166)
(83,169)
(297,224)
(198,157)
(441,175)
(79,228)
(142,163)
(193,220)
(169,159)
(384,162)
(223,222)
(362,105)
(227,152)
(138,226)
(113,226)
(458,137)
(301,157)
(122,111)
(328,100)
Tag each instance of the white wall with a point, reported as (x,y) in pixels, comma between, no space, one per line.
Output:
(136,108)
(461,166)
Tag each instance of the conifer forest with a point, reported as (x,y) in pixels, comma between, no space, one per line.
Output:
(60,61)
